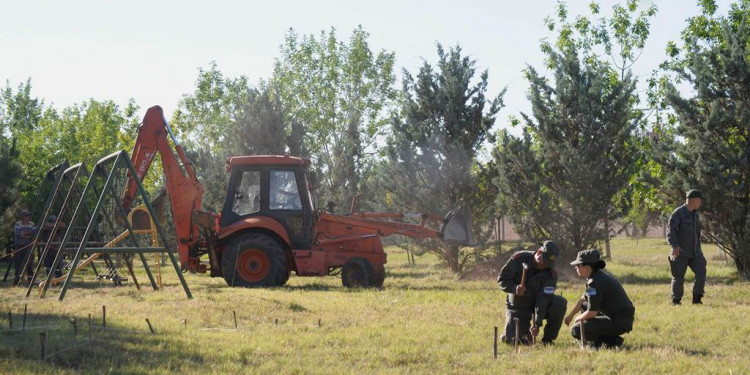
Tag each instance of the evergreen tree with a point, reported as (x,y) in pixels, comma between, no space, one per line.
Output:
(433,148)
(562,178)
(712,148)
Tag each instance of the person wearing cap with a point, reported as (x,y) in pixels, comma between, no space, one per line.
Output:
(684,237)
(534,298)
(24,231)
(607,309)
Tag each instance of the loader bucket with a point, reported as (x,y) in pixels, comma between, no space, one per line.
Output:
(457,227)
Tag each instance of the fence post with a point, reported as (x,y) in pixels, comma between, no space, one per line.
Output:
(495,349)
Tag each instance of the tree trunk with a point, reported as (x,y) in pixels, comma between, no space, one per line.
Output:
(606,238)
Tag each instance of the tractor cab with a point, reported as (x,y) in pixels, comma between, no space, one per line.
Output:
(274,187)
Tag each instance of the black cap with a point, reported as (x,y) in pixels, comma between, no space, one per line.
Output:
(589,256)
(25,213)
(694,193)
(549,253)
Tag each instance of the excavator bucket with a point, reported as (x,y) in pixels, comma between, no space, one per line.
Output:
(457,226)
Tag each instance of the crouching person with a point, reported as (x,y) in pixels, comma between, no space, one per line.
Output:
(531,294)
(607,310)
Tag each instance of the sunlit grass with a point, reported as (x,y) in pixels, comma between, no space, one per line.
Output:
(422,321)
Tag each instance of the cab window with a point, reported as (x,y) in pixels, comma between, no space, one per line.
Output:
(247,195)
(283,191)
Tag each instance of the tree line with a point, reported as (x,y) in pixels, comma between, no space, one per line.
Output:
(593,149)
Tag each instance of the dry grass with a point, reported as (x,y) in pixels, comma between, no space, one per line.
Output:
(423,321)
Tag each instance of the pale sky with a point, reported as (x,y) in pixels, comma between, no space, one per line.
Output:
(151,50)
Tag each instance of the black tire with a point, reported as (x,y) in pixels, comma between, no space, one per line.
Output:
(254,260)
(358,273)
(379,275)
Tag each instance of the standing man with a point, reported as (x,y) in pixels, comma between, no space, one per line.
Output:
(532,297)
(24,231)
(684,237)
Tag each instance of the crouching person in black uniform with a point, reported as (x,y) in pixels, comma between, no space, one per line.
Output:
(607,310)
(532,298)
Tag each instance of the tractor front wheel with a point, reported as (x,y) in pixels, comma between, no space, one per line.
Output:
(254,260)
(358,273)
(379,275)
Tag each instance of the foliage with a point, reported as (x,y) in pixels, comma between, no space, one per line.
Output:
(712,148)
(335,96)
(568,174)
(432,149)
(226,117)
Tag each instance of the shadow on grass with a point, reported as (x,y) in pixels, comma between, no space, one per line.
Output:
(409,275)
(688,351)
(121,348)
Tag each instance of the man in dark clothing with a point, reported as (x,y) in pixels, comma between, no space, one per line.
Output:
(532,298)
(608,311)
(24,231)
(684,237)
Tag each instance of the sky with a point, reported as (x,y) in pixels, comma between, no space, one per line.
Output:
(151,51)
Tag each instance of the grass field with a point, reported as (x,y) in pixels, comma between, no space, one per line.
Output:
(422,321)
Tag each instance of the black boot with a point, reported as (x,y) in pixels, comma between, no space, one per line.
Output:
(611,341)
(697,299)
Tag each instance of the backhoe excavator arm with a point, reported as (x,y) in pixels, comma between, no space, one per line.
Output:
(183,188)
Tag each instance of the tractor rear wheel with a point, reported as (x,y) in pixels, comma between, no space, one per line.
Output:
(358,273)
(254,260)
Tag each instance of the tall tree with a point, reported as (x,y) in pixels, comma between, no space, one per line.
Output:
(335,95)
(563,177)
(712,148)
(20,114)
(228,117)
(434,144)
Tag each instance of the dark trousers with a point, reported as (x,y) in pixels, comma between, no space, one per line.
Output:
(679,266)
(19,258)
(49,259)
(603,325)
(554,318)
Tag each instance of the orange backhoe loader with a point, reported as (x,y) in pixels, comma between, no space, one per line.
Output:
(268,225)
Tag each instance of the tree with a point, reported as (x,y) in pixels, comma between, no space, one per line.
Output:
(433,146)
(229,117)
(335,96)
(712,148)
(20,114)
(563,176)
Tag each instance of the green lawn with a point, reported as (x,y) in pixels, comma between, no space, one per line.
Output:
(422,321)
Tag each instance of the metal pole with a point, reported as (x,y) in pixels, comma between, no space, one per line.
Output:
(68,233)
(87,233)
(494,353)
(517,334)
(163,237)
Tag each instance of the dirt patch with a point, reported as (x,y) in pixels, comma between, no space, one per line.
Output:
(489,270)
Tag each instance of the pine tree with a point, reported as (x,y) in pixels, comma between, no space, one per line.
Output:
(561,179)
(433,148)
(712,148)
